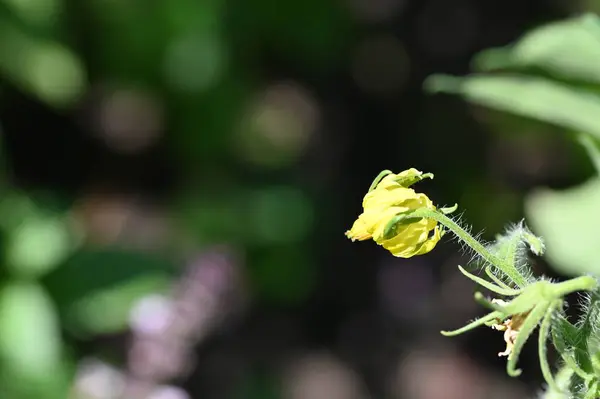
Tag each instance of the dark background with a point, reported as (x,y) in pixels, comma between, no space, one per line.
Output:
(222,148)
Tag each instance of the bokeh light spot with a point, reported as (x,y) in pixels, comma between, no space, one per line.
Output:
(169,392)
(37,245)
(108,310)
(55,73)
(152,315)
(130,121)
(439,372)
(277,126)
(95,379)
(195,62)
(322,376)
(37,238)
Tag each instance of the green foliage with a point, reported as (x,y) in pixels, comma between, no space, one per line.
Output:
(200,65)
(109,282)
(568,220)
(30,342)
(204,64)
(523,300)
(552,75)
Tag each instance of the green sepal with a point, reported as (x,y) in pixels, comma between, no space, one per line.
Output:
(379,178)
(401,219)
(407,181)
(404,181)
(449,209)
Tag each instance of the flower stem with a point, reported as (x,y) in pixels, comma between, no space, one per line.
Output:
(543,336)
(510,270)
(583,283)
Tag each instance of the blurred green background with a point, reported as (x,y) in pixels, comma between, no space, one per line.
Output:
(177,177)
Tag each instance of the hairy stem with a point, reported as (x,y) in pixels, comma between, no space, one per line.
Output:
(471,242)
(543,336)
(583,283)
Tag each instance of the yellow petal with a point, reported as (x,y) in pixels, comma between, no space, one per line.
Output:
(383,197)
(411,240)
(359,230)
(430,243)
(389,199)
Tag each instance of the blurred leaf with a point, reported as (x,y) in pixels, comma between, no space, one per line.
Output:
(196,58)
(195,62)
(284,275)
(185,14)
(569,48)
(91,272)
(129,41)
(262,216)
(568,221)
(14,207)
(45,68)
(38,245)
(592,147)
(533,97)
(30,342)
(108,311)
(27,315)
(277,215)
(38,237)
(38,14)
(203,124)
(211,217)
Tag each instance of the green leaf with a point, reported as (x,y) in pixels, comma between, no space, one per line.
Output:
(515,241)
(45,68)
(38,235)
(592,147)
(41,16)
(532,97)
(27,316)
(571,341)
(107,311)
(95,289)
(39,244)
(91,272)
(569,48)
(589,335)
(30,343)
(568,220)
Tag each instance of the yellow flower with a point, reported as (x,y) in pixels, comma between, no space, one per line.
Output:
(388,198)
